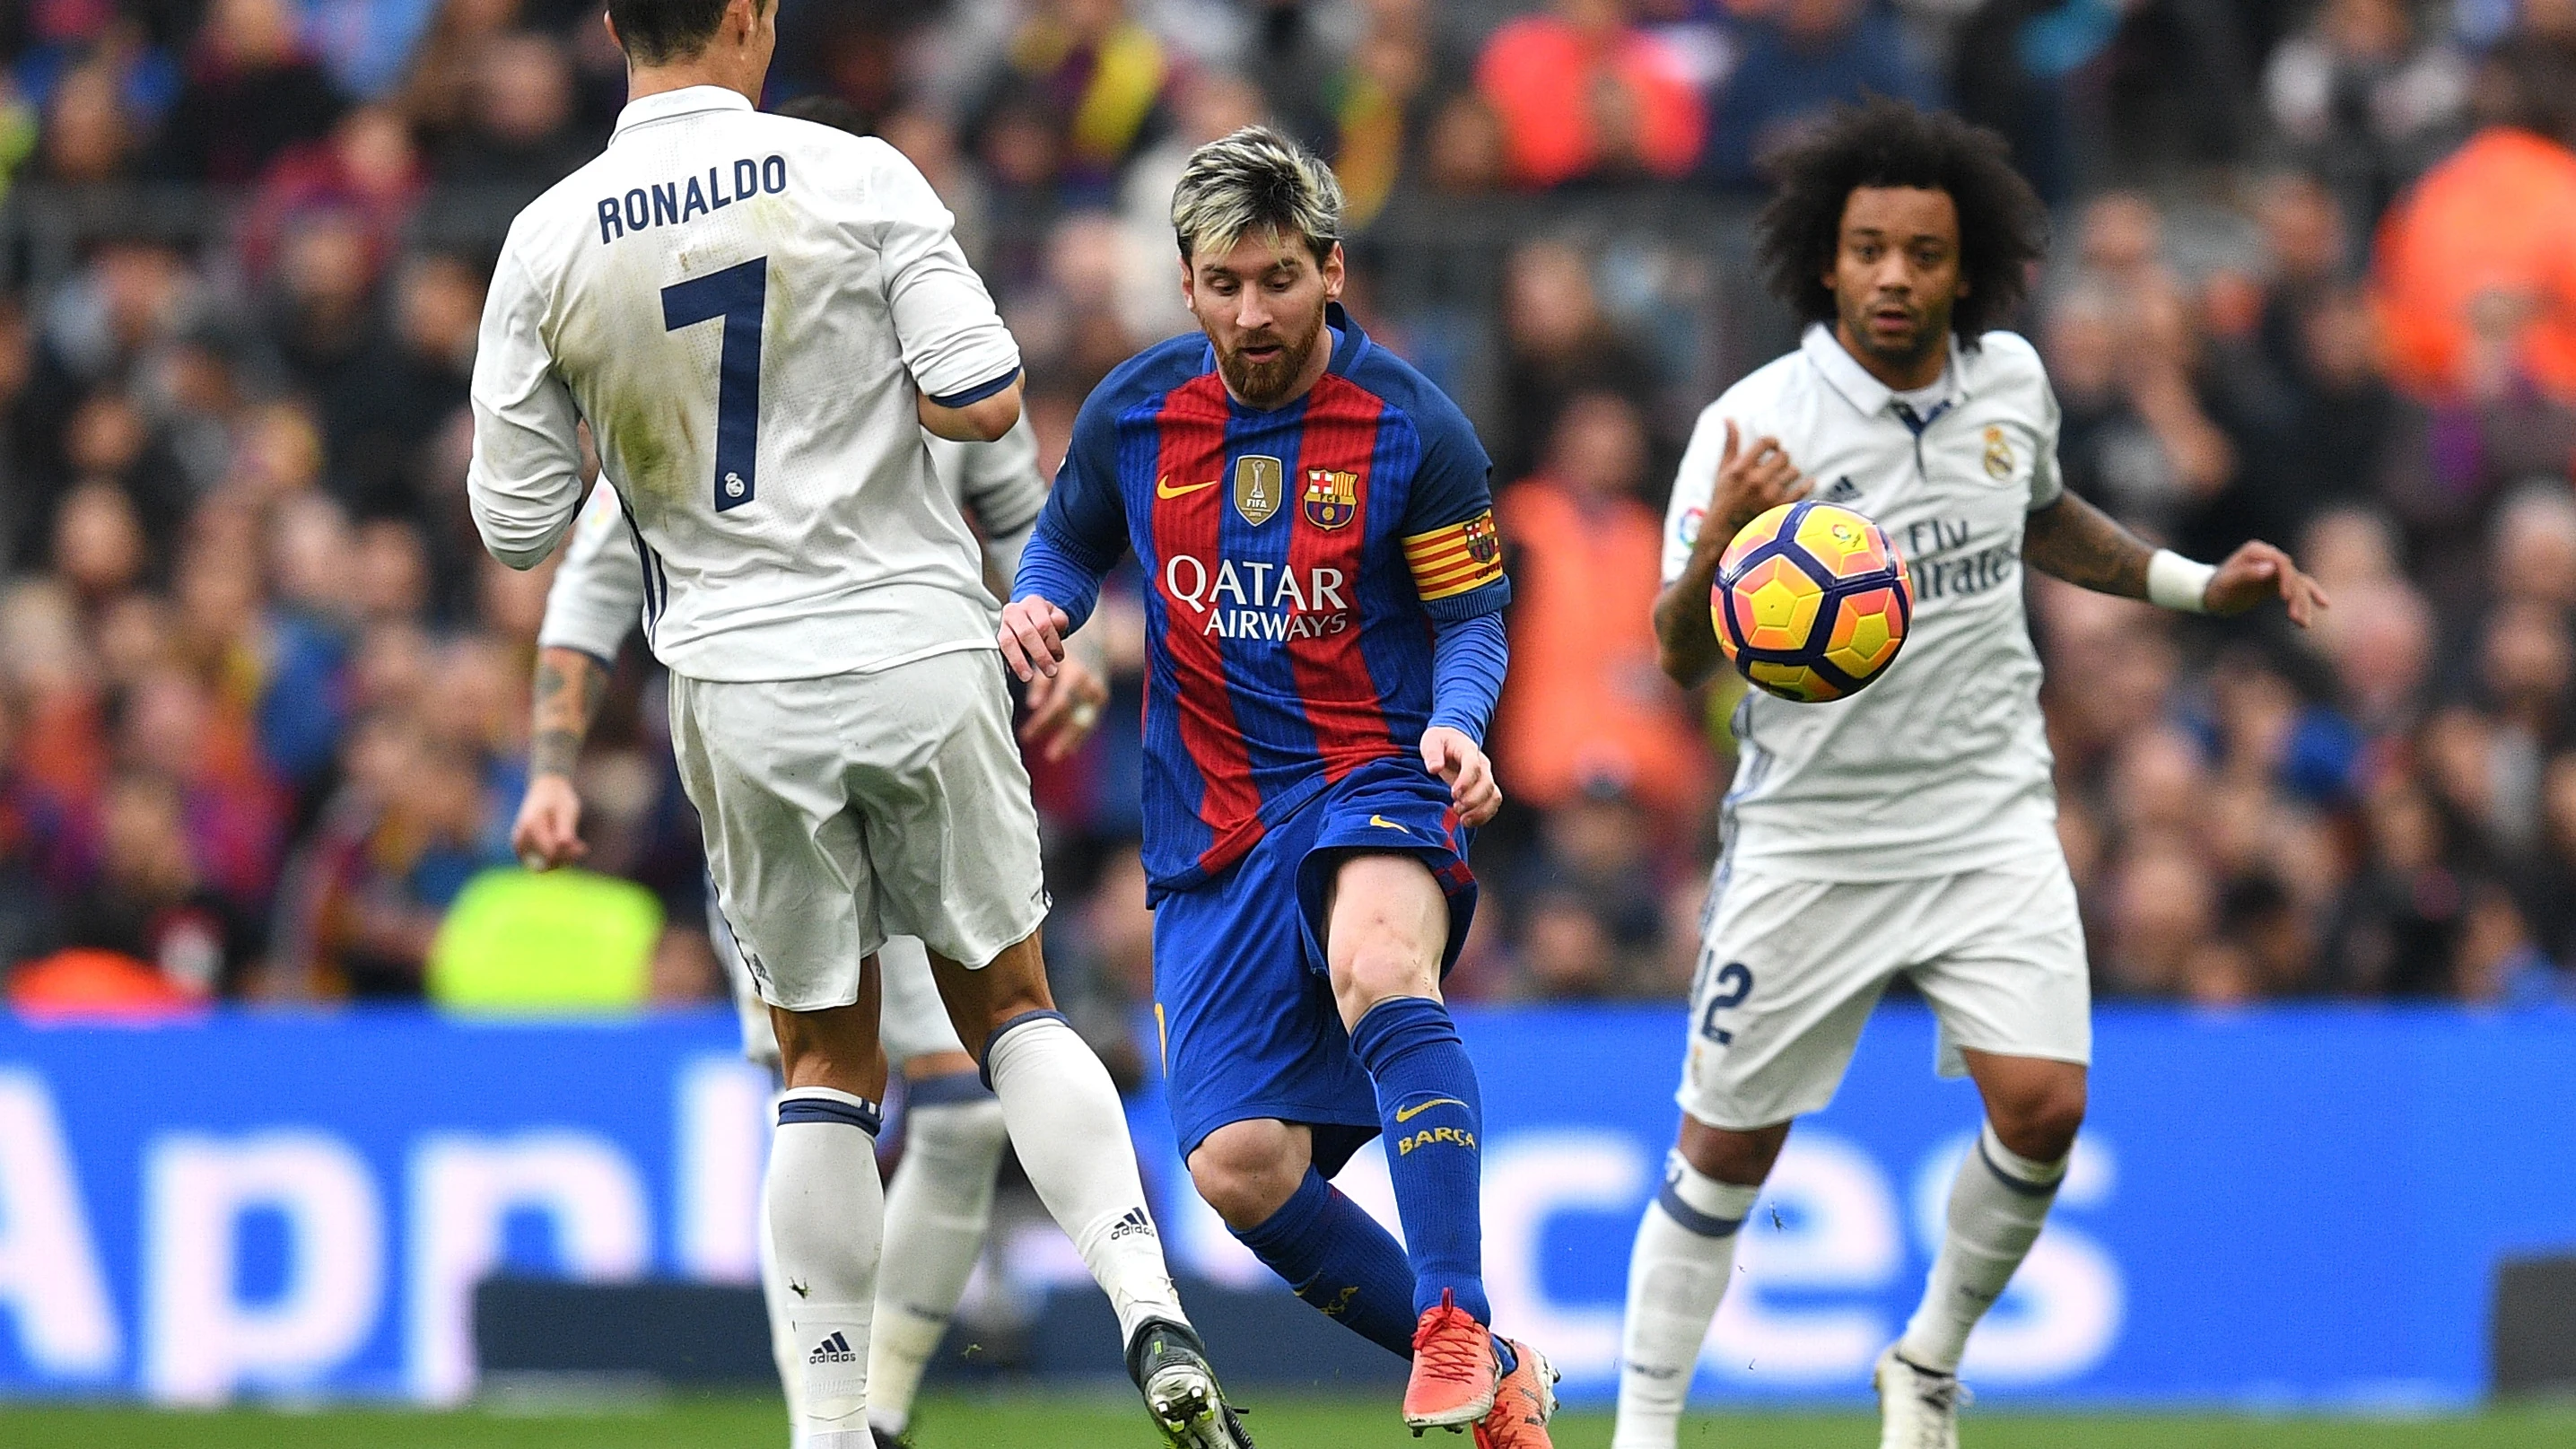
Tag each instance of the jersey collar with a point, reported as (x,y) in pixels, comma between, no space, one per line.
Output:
(1353,343)
(1870,396)
(687,100)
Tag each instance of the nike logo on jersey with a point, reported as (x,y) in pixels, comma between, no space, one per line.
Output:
(1407,1114)
(1164,489)
(1382,823)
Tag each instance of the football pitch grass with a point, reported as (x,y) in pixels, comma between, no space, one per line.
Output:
(1102,1422)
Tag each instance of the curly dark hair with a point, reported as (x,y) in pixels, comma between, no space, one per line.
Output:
(2003,225)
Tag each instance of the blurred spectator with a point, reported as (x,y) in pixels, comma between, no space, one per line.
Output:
(252,91)
(368,169)
(1557,342)
(1585,703)
(2367,97)
(150,901)
(1079,93)
(2475,281)
(89,136)
(1583,93)
(519,134)
(1802,57)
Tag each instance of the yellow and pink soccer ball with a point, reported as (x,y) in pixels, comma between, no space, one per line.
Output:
(1812,602)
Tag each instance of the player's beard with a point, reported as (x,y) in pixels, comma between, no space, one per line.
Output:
(1931,334)
(1266,384)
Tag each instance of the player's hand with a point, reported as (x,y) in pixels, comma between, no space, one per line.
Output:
(1032,637)
(2258,571)
(1750,479)
(548,832)
(1064,708)
(1455,758)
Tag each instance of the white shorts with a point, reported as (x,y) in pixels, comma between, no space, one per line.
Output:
(1789,970)
(841,810)
(912,1022)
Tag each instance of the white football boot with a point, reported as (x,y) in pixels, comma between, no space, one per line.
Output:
(1918,1409)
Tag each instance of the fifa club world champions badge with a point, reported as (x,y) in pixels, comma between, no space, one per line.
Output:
(1259,485)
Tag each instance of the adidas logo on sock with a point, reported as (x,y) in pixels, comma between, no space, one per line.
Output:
(1844,490)
(834,1349)
(1135,1222)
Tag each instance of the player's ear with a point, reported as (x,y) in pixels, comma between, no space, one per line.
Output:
(610,21)
(1335,273)
(1189,282)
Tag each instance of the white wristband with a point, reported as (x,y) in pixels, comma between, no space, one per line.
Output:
(2175,582)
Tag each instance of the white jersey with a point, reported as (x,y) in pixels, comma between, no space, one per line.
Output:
(747,309)
(1942,765)
(598,590)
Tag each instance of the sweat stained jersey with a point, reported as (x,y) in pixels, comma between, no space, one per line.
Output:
(1296,561)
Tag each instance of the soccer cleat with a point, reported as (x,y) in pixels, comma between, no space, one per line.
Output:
(887,1440)
(1918,1409)
(1455,1373)
(1523,1403)
(1170,1368)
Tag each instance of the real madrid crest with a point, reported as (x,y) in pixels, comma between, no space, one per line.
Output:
(1999,455)
(1259,485)
(1332,497)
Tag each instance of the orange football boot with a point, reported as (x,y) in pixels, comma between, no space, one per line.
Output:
(1523,1404)
(1455,1374)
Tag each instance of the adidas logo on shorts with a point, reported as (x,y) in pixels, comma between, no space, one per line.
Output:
(834,1349)
(1135,1222)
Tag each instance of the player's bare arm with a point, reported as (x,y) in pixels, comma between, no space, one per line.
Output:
(984,420)
(2075,541)
(1750,479)
(569,689)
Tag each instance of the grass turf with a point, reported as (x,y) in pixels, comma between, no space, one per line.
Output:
(1107,1423)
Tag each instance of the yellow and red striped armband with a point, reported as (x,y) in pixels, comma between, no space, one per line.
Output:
(1450,561)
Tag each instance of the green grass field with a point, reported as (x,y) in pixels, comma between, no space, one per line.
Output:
(1102,1423)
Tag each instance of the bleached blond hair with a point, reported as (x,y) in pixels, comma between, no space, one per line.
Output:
(1252,182)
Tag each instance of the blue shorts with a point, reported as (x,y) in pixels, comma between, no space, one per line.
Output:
(1242,991)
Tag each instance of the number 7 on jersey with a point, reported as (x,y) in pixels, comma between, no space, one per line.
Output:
(738,294)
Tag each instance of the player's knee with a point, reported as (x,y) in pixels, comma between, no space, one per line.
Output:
(1246,1171)
(2041,1121)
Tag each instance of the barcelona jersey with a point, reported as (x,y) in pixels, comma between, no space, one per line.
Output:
(1296,562)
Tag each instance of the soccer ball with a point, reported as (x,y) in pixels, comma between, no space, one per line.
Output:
(1812,601)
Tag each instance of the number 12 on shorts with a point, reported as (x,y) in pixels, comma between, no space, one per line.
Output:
(740,295)
(1733,983)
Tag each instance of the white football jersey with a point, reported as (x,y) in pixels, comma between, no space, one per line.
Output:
(1942,764)
(598,590)
(746,308)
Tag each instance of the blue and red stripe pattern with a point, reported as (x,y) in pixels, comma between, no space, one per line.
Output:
(1289,641)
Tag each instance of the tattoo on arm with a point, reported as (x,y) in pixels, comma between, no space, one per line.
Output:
(570,688)
(2081,544)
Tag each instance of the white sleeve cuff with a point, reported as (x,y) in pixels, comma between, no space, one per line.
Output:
(2175,582)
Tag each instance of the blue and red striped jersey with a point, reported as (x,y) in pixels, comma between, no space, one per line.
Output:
(1297,560)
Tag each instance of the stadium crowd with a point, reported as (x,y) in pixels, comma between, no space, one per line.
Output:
(263,699)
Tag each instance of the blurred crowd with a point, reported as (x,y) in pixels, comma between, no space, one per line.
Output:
(263,699)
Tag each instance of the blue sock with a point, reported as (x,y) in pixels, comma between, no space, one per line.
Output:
(1339,1259)
(1433,1117)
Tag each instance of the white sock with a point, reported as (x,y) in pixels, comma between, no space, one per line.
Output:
(1677,1273)
(826,1217)
(936,1214)
(1071,1135)
(1997,1204)
(782,1333)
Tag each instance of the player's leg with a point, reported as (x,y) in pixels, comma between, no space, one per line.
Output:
(792,874)
(1260,1177)
(940,1202)
(2014,1001)
(1772,1027)
(1386,932)
(952,831)
(760,1047)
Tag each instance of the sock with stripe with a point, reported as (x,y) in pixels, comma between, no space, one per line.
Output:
(826,1217)
(1342,1261)
(1998,1203)
(1070,1131)
(1677,1275)
(1434,1119)
(937,1210)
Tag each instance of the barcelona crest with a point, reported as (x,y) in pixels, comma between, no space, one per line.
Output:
(1332,498)
(1484,543)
